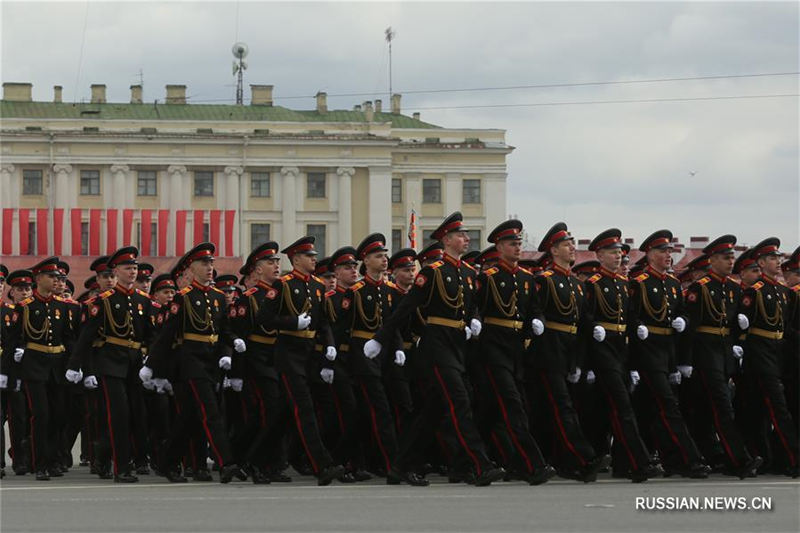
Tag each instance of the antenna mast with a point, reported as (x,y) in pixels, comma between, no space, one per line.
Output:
(239,52)
(390,34)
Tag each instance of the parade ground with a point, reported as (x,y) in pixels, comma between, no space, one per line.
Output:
(80,502)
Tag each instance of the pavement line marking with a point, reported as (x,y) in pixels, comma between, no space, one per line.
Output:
(256,497)
(600,505)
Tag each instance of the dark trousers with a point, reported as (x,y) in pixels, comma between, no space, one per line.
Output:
(398,392)
(16,410)
(448,396)
(670,433)
(159,416)
(76,416)
(338,415)
(302,412)
(550,395)
(45,406)
(768,409)
(623,419)
(376,418)
(264,420)
(506,405)
(138,418)
(117,421)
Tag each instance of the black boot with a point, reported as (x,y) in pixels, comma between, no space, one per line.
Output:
(489,476)
(395,477)
(326,475)
(227,473)
(589,471)
(542,475)
(41,475)
(125,477)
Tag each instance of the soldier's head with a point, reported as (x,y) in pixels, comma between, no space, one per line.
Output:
(302,255)
(325,272)
(768,256)
(199,261)
(559,243)
(372,251)
(144,277)
(404,266)
(45,274)
(227,284)
(453,235)
(124,265)
(3,276)
(345,266)
(608,248)
(264,263)
(163,289)
(21,283)
(791,268)
(61,279)
(658,249)
(104,276)
(507,239)
(721,255)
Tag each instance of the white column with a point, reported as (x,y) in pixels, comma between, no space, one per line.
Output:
(119,177)
(345,211)
(494,197)
(452,193)
(380,200)
(177,200)
(289,204)
(6,198)
(233,177)
(61,173)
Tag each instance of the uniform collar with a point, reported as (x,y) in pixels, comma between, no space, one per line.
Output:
(299,275)
(717,277)
(197,285)
(42,298)
(608,274)
(369,281)
(452,260)
(507,267)
(771,281)
(656,273)
(263,284)
(341,289)
(563,271)
(123,290)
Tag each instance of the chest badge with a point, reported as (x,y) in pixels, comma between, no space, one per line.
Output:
(605,289)
(216,304)
(769,297)
(58,314)
(197,302)
(36,312)
(655,289)
(369,297)
(675,292)
(297,291)
(560,285)
(116,306)
(502,283)
(449,279)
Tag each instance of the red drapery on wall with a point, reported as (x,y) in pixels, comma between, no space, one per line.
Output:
(75,230)
(58,230)
(163,224)
(24,215)
(230,216)
(41,231)
(198,226)
(94,231)
(144,248)
(180,232)
(111,231)
(8,221)
(127,225)
(213,233)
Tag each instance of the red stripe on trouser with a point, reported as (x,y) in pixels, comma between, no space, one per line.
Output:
(777,427)
(511,433)
(338,407)
(461,439)
(717,423)
(262,410)
(110,428)
(664,420)
(31,421)
(375,432)
(214,449)
(500,449)
(617,425)
(296,412)
(561,430)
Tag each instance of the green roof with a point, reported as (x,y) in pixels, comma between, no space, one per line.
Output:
(221,112)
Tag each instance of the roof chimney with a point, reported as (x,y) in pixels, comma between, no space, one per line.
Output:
(261,95)
(17,92)
(57,94)
(378,106)
(416,115)
(395,104)
(98,93)
(136,94)
(698,242)
(368,109)
(357,107)
(176,94)
(583,244)
(322,102)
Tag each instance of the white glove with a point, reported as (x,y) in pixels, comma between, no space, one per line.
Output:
(574,377)
(149,385)
(642,332)
(18,353)
(225,362)
(538,326)
(327,375)
(3,381)
(599,333)
(90,382)
(168,387)
(679,324)
(399,357)
(73,376)
(236,384)
(475,327)
(744,323)
(590,377)
(303,321)
(145,373)
(239,345)
(685,370)
(159,383)
(635,378)
(330,353)
(226,383)
(675,379)
(468,333)
(372,348)
(738,352)
(19,386)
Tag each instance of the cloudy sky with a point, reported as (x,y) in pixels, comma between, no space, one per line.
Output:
(594,165)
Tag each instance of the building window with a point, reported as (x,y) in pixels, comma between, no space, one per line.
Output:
(259,184)
(84,238)
(397,191)
(259,234)
(90,182)
(474,239)
(147,183)
(397,240)
(431,191)
(203,183)
(32,238)
(31,181)
(318,232)
(153,238)
(471,192)
(206,234)
(315,185)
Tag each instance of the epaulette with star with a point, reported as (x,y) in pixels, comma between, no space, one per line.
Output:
(594,279)
(330,293)
(523,269)
(641,277)
(11,306)
(391,284)
(104,295)
(491,271)
(757,285)
(796,288)
(673,277)
(318,280)
(547,273)
(436,264)
(622,278)
(470,267)
(142,293)
(703,280)
(26,301)
(356,286)
(250,291)
(156,305)
(217,290)
(287,277)
(185,290)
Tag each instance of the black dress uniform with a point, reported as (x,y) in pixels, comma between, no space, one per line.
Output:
(41,327)
(195,336)
(607,308)
(655,301)
(507,302)
(297,294)
(791,380)
(711,308)
(554,354)
(765,305)
(444,292)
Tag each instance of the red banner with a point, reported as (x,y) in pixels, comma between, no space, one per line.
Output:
(127,225)
(58,230)
(23,231)
(180,232)
(213,231)
(111,231)
(144,245)
(230,216)
(163,224)
(8,221)
(94,231)
(198,226)
(41,231)
(75,229)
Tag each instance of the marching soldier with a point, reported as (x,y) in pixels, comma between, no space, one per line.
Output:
(444,291)
(296,310)
(655,315)
(695,269)
(791,274)
(144,277)
(507,303)
(765,307)
(713,329)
